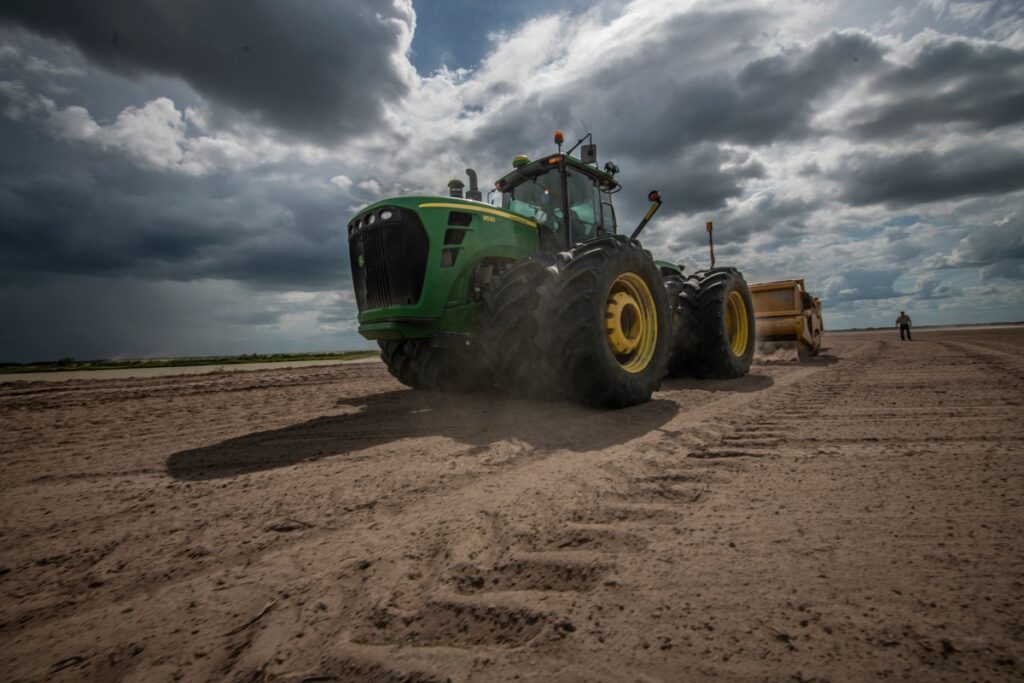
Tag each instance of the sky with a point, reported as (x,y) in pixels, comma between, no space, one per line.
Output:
(176,177)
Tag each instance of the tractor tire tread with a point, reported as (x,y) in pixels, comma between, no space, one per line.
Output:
(571,325)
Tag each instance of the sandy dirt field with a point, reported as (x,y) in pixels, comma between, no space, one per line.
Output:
(857,517)
(131,373)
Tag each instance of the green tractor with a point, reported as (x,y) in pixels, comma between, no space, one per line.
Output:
(540,296)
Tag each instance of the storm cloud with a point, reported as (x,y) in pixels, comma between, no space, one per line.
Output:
(977,85)
(320,70)
(102,217)
(926,176)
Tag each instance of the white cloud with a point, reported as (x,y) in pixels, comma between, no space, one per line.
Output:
(370,185)
(156,135)
(342,182)
(47,68)
(73,123)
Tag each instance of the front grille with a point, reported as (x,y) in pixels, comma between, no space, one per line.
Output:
(389,259)
(376,292)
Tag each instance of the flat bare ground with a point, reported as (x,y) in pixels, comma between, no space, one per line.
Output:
(857,517)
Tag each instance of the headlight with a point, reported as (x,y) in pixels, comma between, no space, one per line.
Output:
(371,219)
(386,214)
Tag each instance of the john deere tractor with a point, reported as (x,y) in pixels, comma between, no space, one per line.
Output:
(538,294)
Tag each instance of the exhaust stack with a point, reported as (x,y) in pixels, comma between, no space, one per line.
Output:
(473,192)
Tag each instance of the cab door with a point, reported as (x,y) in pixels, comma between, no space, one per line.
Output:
(590,210)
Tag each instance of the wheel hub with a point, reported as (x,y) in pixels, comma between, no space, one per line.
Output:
(737,325)
(623,323)
(631,322)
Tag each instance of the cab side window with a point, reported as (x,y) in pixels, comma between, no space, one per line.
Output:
(608,224)
(585,217)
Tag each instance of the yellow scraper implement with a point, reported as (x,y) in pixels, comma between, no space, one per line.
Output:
(788,320)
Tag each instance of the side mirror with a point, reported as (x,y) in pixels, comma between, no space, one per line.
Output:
(588,154)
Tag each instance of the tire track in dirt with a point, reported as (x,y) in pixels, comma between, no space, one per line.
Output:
(657,495)
(1003,361)
(512,582)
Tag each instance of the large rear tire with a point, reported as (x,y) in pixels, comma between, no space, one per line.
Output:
(724,312)
(605,324)
(683,293)
(509,331)
(418,364)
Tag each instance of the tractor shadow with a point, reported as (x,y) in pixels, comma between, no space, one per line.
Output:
(475,420)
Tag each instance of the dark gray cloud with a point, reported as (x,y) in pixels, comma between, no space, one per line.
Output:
(321,70)
(931,287)
(1006,270)
(75,210)
(949,81)
(123,317)
(339,309)
(926,176)
(770,99)
(654,103)
(700,179)
(783,219)
(858,284)
(997,248)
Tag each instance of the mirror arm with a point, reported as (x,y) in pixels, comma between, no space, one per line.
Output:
(655,205)
(579,142)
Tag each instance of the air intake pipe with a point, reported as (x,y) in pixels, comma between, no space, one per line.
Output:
(474,191)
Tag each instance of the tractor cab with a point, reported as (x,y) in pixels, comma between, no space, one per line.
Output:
(570,200)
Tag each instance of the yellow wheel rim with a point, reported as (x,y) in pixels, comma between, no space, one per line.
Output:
(631,322)
(737,325)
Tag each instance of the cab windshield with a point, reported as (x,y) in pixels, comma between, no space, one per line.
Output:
(539,199)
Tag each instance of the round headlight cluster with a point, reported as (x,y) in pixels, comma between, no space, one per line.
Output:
(371,219)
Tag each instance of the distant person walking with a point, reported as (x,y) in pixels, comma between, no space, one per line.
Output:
(904,324)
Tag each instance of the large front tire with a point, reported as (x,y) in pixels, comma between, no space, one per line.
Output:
(605,324)
(419,364)
(509,331)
